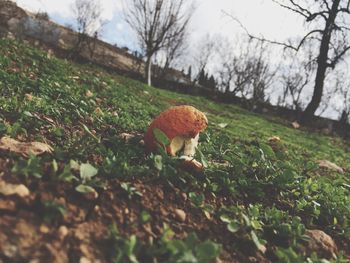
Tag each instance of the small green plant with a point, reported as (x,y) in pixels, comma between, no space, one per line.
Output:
(67,175)
(29,167)
(166,249)
(145,217)
(196,199)
(122,249)
(87,174)
(52,210)
(245,221)
(190,249)
(130,190)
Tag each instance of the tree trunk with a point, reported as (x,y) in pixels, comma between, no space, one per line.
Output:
(148,71)
(322,65)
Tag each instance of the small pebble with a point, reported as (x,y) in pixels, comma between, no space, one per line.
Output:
(180,215)
(62,232)
(44,229)
(84,260)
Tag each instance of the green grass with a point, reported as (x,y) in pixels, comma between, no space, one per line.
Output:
(272,190)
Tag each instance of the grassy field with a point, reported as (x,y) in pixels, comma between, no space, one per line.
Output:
(99,197)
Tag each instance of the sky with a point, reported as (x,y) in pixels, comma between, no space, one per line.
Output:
(261,17)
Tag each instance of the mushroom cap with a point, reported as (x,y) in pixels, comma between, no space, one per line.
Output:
(185,121)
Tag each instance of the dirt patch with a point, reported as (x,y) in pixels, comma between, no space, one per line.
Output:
(35,231)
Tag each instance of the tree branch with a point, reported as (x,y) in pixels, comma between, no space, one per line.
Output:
(327,5)
(292,9)
(309,16)
(302,9)
(345,9)
(338,57)
(262,39)
(306,36)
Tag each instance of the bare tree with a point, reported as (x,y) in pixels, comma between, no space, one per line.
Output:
(296,76)
(345,113)
(341,99)
(244,69)
(204,51)
(88,16)
(328,20)
(172,55)
(235,69)
(262,73)
(156,23)
(226,67)
(174,50)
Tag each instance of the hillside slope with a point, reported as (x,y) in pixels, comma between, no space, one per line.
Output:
(97,197)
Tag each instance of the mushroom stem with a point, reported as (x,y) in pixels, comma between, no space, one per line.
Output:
(191,145)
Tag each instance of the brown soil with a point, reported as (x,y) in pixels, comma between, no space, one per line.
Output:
(81,234)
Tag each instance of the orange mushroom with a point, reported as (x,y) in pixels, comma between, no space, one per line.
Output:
(181,125)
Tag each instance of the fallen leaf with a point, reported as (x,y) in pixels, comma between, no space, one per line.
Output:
(84,260)
(48,119)
(44,229)
(222,125)
(126,136)
(8,205)
(13,189)
(220,163)
(148,229)
(62,232)
(274,139)
(29,97)
(98,110)
(295,125)
(24,148)
(321,243)
(207,215)
(330,166)
(89,94)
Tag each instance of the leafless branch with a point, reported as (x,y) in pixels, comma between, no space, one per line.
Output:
(309,16)
(262,39)
(298,11)
(337,58)
(326,4)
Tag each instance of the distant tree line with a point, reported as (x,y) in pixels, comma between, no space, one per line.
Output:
(206,81)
